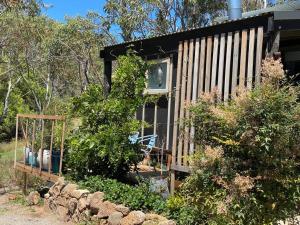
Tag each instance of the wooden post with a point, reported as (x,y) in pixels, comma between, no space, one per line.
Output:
(62,147)
(155,119)
(175,125)
(41,149)
(51,148)
(169,101)
(25,183)
(143,119)
(194,94)
(16,143)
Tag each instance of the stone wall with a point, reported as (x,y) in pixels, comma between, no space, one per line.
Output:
(71,203)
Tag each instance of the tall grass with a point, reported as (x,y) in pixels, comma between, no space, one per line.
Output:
(8,177)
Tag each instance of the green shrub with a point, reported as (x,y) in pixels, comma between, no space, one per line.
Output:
(247,170)
(135,197)
(100,146)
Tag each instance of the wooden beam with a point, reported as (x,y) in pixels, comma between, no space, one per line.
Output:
(214,62)
(201,67)
(62,147)
(45,117)
(221,65)
(169,101)
(16,143)
(242,76)
(182,99)
(208,64)
(235,63)
(176,109)
(250,59)
(227,66)
(36,172)
(259,46)
(195,83)
(188,101)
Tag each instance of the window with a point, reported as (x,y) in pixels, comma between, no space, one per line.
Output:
(158,77)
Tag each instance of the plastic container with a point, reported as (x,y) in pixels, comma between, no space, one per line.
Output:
(55,160)
(46,157)
(32,159)
(27,150)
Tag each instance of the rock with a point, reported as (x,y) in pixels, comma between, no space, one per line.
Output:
(133,218)
(79,193)
(167,222)
(57,187)
(115,218)
(55,190)
(12,197)
(96,200)
(67,190)
(72,205)
(60,181)
(63,213)
(33,198)
(150,222)
(52,204)
(106,209)
(123,209)
(46,196)
(85,215)
(155,217)
(62,201)
(103,222)
(82,204)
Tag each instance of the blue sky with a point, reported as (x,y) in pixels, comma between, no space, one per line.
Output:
(61,8)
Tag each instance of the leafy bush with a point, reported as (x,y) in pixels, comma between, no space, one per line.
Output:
(101,145)
(247,170)
(136,197)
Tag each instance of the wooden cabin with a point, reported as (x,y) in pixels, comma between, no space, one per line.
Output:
(225,56)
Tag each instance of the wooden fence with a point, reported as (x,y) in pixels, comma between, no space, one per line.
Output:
(221,63)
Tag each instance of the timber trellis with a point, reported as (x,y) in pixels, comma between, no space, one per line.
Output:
(223,63)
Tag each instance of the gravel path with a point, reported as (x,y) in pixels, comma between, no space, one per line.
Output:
(12,213)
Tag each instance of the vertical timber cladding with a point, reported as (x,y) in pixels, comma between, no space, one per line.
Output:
(222,63)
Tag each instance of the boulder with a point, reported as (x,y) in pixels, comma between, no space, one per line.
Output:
(85,215)
(72,205)
(167,222)
(96,200)
(63,201)
(106,209)
(79,193)
(123,209)
(63,213)
(150,222)
(115,218)
(82,204)
(57,187)
(68,189)
(52,204)
(133,218)
(33,198)
(155,217)
(46,196)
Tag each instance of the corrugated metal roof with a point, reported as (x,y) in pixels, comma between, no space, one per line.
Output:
(290,6)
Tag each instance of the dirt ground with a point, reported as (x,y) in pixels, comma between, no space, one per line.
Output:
(14,211)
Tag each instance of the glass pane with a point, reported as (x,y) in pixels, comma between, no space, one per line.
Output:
(157,76)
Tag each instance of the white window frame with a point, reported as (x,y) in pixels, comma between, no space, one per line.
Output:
(159,91)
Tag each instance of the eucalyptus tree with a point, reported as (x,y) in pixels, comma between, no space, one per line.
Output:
(141,18)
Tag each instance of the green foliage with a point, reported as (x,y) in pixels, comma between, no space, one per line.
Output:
(101,145)
(135,197)
(247,169)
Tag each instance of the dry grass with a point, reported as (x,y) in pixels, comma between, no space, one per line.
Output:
(7,154)
(8,176)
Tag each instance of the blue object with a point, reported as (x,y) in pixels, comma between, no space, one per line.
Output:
(133,139)
(234,9)
(32,159)
(55,161)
